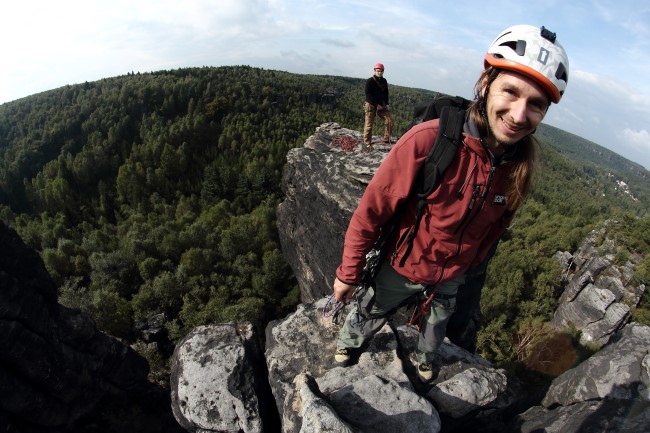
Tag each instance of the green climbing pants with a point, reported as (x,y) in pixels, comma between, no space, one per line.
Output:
(390,291)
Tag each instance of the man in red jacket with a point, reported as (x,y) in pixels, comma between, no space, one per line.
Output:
(525,70)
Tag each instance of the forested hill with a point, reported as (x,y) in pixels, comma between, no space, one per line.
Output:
(584,151)
(156,193)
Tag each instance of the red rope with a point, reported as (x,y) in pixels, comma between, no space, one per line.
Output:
(420,311)
(345,142)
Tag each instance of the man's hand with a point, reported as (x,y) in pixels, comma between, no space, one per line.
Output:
(342,291)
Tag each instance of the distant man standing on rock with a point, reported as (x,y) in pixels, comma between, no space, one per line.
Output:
(376,104)
(525,70)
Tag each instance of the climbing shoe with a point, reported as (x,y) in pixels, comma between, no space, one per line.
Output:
(342,356)
(425,371)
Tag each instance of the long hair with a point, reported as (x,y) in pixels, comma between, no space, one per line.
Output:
(525,158)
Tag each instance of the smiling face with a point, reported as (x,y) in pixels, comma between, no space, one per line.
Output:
(516,105)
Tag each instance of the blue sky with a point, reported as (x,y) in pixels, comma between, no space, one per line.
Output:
(435,45)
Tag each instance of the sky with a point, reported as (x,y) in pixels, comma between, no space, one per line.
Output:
(434,45)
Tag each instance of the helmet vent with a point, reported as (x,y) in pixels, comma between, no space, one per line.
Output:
(561,73)
(521,47)
(518,47)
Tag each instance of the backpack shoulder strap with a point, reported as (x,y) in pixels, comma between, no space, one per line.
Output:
(443,152)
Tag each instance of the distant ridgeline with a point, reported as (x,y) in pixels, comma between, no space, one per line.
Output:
(579,149)
(155,195)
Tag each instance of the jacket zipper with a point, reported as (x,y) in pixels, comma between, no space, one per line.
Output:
(463,224)
(468,211)
(466,220)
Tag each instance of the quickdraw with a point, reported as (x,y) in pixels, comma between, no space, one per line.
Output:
(334,308)
(421,310)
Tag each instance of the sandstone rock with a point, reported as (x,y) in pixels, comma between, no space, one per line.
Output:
(470,390)
(212,381)
(57,371)
(380,383)
(304,343)
(615,371)
(607,392)
(317,415)
(322,185)
(587,416)
(598,293)
(378,404)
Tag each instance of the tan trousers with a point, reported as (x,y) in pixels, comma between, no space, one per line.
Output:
(370,115)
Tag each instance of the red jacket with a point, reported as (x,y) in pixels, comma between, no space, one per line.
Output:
(465,215)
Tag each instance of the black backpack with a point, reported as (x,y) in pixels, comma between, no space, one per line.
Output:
(432,108)
(451,111)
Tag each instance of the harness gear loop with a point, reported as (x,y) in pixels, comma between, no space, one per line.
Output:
(422,309)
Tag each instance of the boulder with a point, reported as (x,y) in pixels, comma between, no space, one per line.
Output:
(379,392)
(607,392)
(322,183)
(619,370)
(318,416)
(57,371)
(598,293)
(213,380)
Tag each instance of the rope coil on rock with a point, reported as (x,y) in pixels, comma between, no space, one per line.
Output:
(346,142)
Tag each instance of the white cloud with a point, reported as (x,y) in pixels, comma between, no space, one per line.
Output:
(341,43)
(631,17)
(437,47)
(639,139)
(600,109)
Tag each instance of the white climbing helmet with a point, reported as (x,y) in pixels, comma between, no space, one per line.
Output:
(534,52)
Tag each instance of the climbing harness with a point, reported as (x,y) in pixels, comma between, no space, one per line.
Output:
(421,308)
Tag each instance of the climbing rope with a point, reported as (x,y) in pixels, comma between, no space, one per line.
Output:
(346,142)
(333,308)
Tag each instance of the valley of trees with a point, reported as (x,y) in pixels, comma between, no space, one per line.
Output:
(156,193)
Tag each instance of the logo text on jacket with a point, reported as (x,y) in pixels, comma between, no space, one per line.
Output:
(499,199)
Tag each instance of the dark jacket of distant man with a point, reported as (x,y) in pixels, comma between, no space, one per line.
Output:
(377,91)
